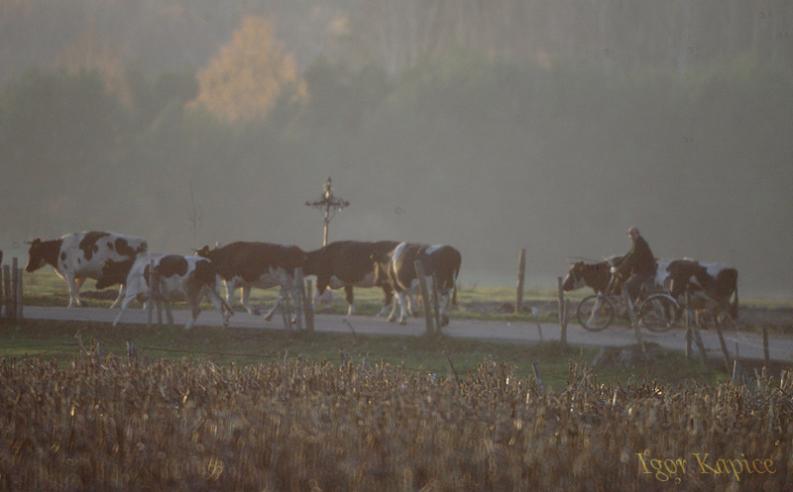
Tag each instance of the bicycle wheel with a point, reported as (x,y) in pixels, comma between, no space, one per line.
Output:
(659,313)
(595,313)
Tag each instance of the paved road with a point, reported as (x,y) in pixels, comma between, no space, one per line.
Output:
(749,344)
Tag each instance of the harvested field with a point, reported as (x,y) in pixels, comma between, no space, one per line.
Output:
(112,423)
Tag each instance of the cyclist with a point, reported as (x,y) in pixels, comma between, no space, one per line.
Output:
(638,265)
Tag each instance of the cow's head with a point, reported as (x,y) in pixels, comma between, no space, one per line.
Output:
(41,253)
(574,278)
(681,273)
(114,272)
(204,251)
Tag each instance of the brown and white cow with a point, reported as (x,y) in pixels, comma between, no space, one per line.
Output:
(81,255)
(398,268)
(188,276)
(247,264)
(349,264)
(597,275)
(712,284)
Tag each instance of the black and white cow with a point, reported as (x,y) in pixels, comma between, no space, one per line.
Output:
(349,264)
(81,255)
(398,268)
(190,276)
(711,285)
(255,264)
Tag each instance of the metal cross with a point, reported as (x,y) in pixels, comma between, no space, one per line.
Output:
(330,204)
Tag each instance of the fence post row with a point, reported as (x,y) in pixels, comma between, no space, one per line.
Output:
(521,278)
(424,297)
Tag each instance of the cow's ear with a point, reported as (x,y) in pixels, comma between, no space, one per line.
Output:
(35,242)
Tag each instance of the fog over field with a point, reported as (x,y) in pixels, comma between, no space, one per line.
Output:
(550,125)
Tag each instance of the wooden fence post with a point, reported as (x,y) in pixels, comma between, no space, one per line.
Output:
(151,300)
(736,371)
(723,345)
(286,309)
(12,307)
(521,278)
(424,297)
(6,291)
(19,292)
(168,313)
(700,345)
(562,313)
(537,376)
(687,324)
(308,305)
(299,290)
(157,296)
(2,293)
(766,354)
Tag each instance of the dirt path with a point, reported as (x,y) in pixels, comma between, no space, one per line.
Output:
(749,344)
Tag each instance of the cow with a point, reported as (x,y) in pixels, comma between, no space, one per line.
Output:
(255,264)
(81,255)
(597,275)
(712,285)
(188,276)
(397,268)
(349,264)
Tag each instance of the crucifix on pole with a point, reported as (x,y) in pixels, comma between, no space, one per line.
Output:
(330,204)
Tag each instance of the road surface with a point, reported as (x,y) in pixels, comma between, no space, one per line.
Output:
(750,345)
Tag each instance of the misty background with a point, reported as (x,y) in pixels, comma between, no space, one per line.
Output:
(550,125)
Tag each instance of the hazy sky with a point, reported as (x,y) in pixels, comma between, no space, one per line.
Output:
(490,126)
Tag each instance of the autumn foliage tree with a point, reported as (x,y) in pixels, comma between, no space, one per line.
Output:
(249,75)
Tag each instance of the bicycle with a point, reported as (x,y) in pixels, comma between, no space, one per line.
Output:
(658,312)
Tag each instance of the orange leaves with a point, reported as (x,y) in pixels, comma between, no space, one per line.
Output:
(249,75)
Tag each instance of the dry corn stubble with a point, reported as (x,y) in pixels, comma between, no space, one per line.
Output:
(293,425)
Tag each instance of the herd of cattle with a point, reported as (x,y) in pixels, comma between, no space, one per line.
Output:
(112,259)
(712,287)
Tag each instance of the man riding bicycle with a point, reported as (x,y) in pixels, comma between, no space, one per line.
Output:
(638,265)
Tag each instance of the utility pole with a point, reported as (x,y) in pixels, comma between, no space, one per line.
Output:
(329,204)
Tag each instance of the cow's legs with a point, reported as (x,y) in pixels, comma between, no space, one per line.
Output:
(119,297)
(73,284)
(348,295)
(219,304)
(402,311)
(388,300)
(231,286)
(245,298)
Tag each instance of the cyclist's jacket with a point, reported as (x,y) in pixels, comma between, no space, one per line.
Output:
(639,260)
